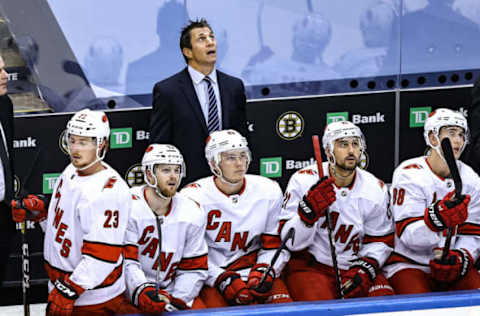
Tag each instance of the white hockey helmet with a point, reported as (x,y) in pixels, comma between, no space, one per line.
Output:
(89,123)
(341,129)
(161,154)
(444,117)
(222,141)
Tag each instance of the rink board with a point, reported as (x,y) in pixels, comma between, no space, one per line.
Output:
(439,304)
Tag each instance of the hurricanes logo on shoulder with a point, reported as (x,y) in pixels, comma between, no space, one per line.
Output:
(290,125)
(134,175)
(62,143)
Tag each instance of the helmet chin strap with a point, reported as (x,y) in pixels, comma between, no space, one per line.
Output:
(219,175)
(97,159)
(154,186)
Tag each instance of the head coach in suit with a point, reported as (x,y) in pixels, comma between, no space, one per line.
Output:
(7,226)
(198,100)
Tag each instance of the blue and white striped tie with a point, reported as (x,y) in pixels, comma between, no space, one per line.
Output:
(213,119)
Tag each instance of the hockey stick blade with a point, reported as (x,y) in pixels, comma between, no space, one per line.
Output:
(290,235)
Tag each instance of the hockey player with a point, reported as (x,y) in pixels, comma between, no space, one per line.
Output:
(361,223)
(86,224)
(242,222)
(173,255)
(423,208)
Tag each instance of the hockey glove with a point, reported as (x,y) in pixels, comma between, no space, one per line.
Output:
(445,213)
(33,207)
(62,297)
(358,279)
(176,304)
(256,273)
(314,204)
(454,268)
(146,298)
(233,289)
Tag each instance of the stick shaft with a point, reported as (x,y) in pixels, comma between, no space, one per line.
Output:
(333,253)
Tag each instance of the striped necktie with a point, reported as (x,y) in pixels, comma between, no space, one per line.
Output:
(213,123)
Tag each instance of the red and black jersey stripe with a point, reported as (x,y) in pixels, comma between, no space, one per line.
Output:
(244,262)
(194,263)
(395,257)
(386,239)
(101,251)
(270,241)
(401,225)
(469,229)
(59,274)
(130,252)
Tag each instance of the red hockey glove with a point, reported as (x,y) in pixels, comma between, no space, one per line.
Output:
(62,297)
(358,279)
(256,274)
(146,299)
(446,213)
(233,289)
(454,268)
(314,204)
(176,304)
(33,207)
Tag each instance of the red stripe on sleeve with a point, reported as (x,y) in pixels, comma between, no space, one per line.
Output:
(401,225)
(271,241)
(195,263)
(130,252)
(469,229)
(387,239)
(104,252)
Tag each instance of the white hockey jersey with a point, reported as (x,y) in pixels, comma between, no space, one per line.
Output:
(361,220)
(414,188)
(242,229)
(183,258)
(84,232)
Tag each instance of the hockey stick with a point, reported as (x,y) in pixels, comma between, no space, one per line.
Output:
(452,165)
(333,253)
(290,235)
(159,228)
(22,227)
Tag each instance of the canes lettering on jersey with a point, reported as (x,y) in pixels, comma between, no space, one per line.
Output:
(242,229)
(183,258)
(224,234)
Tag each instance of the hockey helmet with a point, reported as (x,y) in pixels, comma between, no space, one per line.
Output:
(222,141)
(341,129)
(444,117)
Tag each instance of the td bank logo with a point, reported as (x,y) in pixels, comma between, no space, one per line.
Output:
(337,117)
(121,138)
(271,167)
(418,116)
(49,180)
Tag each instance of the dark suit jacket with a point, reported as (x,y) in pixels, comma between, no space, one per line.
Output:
(177,117)
(7,226)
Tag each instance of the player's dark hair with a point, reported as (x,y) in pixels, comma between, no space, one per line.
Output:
(186,36)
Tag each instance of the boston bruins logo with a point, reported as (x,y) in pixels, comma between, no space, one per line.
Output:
(134,175)
(363,161)
(16,185)
(62,143)
(290,125)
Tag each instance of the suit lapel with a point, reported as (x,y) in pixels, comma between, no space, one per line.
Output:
(225,99)
(186,85)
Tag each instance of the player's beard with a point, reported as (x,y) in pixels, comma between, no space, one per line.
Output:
(343,165)
(168,192)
